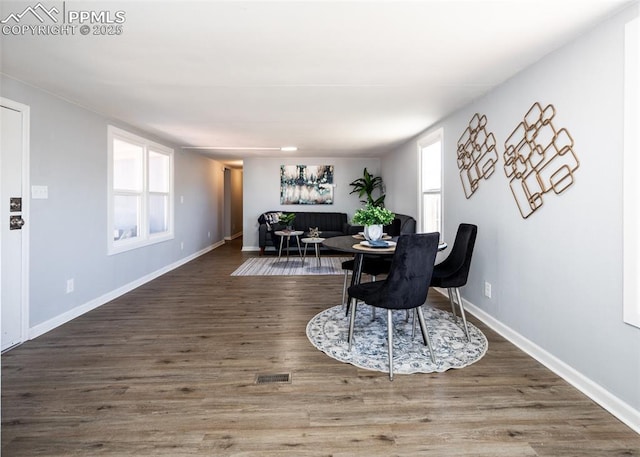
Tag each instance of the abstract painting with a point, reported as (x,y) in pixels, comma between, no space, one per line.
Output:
(306,184)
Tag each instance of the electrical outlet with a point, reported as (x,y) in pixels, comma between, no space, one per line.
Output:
(182,245)
(487,289)
(70,285)
(208,234)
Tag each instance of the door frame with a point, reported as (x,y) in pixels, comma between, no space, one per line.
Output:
(24,111)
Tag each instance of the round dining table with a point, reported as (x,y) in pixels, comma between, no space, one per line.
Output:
(352,244)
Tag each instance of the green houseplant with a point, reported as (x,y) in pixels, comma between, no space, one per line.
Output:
(366,186)
(287,219)
(373,218)
(373,215)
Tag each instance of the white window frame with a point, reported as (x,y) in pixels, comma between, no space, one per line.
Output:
(144,238)
(631,168)
(423,142)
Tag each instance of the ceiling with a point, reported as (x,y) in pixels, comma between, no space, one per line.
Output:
(332,78)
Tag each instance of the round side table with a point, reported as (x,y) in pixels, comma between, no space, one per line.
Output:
(316,244)
(288,234)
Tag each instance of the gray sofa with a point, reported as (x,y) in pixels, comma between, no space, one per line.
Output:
(329,224)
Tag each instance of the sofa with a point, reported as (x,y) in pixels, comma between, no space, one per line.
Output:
(329,224)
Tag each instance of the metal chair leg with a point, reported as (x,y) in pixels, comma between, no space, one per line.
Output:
(413,324)
(352,321)
(344,288)
(453,305)
(464,318)
(425,333)
(373,311)
(390,342)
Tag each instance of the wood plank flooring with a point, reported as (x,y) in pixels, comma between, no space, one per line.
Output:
(169,370)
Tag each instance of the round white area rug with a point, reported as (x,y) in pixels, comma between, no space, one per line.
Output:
(329,329)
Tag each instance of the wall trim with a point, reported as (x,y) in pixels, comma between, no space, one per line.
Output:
(78,311)
(233,237)
(617,407)
(250,248)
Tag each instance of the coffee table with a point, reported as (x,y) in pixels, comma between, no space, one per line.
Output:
(316,244)
(288,234)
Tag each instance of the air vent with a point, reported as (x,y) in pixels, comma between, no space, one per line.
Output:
(278,378)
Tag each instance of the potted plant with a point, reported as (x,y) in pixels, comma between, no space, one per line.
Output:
(287,219)
(373,218)
(366,185)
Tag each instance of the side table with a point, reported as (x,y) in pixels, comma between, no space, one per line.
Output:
(288,234)
(316,244)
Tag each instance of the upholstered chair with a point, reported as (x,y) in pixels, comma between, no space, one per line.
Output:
(452,272)
(405,287)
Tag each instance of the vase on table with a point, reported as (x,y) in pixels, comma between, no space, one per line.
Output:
(373,232)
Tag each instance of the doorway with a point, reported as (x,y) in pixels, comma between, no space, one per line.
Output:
(14,211)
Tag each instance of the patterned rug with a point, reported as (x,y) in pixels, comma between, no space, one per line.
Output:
(270,266)
(328,332)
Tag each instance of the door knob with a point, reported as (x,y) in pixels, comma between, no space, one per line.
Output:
(15,222)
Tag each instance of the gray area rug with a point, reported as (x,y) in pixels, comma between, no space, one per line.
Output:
(270,266)
(329,329)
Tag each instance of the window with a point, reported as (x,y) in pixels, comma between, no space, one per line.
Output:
(140,191)
(430,157)
(631,168)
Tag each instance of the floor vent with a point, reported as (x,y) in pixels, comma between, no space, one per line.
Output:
(273,378)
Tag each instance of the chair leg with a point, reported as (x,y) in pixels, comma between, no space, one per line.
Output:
(373,308)
(453,305)
(390,342)
(413,324)
(464,318)
(344,288)
(425,333)
(352,321)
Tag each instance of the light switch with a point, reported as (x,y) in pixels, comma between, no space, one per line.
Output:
(39,192)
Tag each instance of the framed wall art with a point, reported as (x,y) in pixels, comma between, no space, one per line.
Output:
(306,184)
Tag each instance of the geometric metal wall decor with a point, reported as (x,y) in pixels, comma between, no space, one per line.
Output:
(538,158)
(306,184)
(477,155)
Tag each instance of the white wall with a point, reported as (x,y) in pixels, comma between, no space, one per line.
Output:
(68,231)
(557,276)
(262,188)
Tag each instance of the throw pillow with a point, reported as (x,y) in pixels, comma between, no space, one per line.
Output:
(271,218)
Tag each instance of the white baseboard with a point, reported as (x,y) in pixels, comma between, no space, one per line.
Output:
(623,411)
(63,318)
(250,248)
(233,237)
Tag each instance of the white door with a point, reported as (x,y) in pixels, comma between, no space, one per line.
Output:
(13,127)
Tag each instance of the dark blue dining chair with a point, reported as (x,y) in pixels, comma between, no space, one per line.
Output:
(452,272)
(405,287)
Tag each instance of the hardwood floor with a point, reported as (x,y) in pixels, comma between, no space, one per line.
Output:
(169,370)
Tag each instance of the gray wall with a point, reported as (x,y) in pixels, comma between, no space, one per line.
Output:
(69,229)
(557,276)
(262,188)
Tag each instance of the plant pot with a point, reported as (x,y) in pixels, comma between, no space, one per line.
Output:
(373,232)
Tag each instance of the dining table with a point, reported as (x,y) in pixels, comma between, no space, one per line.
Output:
(357,245)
